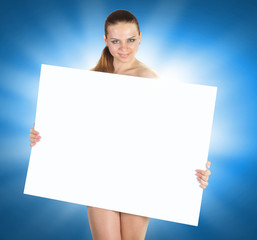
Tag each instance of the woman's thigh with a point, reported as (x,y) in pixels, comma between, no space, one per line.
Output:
(104,224)
(133,227)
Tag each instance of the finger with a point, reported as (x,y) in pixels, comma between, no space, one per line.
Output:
(33,140)
(32,130)
(208,164)
(34,135)
(32,144)
(205,183)
(203,177)
(203,187)
(204,172)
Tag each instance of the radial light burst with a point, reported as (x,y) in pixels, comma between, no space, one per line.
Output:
(200,42)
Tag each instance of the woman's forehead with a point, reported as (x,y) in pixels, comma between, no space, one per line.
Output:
(122,30)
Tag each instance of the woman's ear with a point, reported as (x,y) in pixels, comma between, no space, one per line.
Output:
(105,40)
(140,35)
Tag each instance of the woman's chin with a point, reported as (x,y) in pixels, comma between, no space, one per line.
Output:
(125,59)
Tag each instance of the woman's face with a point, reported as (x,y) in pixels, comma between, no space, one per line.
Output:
(123,40)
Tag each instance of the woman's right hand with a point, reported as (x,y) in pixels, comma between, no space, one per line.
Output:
(34,136)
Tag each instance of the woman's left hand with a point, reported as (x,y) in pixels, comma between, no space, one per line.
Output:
(203,175)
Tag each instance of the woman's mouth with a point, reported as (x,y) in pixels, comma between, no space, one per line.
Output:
(124,55)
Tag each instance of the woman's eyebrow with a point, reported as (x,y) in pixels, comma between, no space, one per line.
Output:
(127,38)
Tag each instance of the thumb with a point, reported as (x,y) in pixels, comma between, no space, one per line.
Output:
(208,164)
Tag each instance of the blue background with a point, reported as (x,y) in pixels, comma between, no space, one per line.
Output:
(206,42)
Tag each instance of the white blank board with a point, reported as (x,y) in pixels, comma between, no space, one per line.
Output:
(121,143)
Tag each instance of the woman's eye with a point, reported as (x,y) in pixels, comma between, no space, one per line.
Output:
(115,41)
(132,40)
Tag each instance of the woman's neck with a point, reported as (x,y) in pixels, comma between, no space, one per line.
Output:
(120,67)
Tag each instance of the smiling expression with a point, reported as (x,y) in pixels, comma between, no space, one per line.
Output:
(123,40)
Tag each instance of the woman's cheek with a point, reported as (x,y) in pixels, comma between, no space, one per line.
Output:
(115,48)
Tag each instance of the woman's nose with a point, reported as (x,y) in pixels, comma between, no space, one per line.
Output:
(123,45)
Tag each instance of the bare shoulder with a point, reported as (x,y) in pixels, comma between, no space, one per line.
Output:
(145,71)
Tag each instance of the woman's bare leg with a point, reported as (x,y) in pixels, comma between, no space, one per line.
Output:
(104,224)
(133,227)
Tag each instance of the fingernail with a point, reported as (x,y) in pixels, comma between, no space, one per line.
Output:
(197,174)
(198,179)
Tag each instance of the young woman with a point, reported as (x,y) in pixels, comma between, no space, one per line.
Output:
(122,38)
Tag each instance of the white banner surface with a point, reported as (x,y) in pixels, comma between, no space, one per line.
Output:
(122,143)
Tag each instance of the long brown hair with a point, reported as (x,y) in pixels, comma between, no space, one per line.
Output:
(105,63)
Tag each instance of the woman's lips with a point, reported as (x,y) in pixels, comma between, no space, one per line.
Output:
(124,55)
